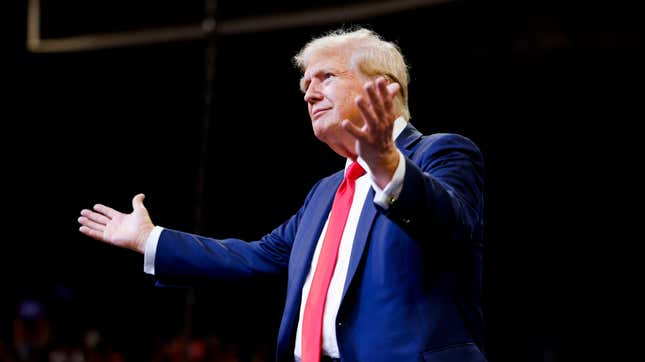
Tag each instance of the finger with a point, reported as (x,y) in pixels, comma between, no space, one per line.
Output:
(91,224)
(137,201)
(365,111)
(96,217)
(107,211)
(393,89)
(375,100)
(352,129)
(385,95)
(91,233)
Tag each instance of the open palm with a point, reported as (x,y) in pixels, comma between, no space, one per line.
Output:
(113,227)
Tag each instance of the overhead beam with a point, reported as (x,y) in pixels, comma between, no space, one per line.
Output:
(37,44)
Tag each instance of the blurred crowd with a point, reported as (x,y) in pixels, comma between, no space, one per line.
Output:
(34,334)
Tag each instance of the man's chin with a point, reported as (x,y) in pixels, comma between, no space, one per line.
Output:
(321,135)
(322,128)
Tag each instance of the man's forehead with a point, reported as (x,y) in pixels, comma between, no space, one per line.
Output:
(325,61)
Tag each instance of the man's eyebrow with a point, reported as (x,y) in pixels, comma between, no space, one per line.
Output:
(305,80)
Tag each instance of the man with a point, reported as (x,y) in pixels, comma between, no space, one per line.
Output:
(383,259)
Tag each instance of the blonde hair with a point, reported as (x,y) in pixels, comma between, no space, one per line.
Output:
(370,54)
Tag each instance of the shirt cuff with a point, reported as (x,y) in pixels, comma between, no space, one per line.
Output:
(386,197)
(151,250)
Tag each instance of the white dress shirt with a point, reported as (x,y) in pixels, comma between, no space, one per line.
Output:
(382,198)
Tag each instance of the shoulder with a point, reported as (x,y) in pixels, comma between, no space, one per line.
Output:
(448,142)
(413,140)
(447,139)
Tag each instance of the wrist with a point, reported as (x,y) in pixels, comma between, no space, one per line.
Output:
(385,168)
(142,238)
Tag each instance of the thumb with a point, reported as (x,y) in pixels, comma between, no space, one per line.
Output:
(137,201)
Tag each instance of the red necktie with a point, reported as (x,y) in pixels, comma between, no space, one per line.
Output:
(315,307)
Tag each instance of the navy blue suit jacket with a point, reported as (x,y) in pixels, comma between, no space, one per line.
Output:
(412,291)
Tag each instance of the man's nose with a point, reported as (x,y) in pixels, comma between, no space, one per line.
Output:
(313,93)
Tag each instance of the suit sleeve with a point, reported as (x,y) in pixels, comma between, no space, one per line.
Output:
(184,258)
(442,190)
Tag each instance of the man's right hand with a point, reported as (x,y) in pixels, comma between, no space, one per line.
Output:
(125,230)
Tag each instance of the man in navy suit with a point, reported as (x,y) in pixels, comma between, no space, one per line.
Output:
(406,280)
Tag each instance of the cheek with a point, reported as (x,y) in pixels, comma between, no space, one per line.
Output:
(344,105)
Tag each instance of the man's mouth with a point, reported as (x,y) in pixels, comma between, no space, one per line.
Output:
(318,112)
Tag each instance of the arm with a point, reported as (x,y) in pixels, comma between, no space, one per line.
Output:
(184,258)
(442,189)
(181,255)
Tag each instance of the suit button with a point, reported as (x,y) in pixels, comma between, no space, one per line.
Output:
(340,324)
(406,221)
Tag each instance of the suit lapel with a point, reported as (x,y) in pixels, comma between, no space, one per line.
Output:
(368,215)
(312,224)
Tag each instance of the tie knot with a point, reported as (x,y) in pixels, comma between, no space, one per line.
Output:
(354,171)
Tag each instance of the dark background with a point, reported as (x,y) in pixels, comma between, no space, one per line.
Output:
(550,91)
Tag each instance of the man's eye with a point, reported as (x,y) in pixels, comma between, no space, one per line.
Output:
(328,75)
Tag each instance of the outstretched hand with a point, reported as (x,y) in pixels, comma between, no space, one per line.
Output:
(113,227)
(374,141)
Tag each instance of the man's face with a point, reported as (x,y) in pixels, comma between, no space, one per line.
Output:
(330,86)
